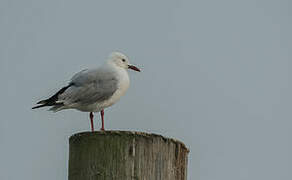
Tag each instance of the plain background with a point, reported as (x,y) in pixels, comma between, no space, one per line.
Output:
(215,75)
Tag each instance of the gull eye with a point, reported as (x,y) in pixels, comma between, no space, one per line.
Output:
(123,60)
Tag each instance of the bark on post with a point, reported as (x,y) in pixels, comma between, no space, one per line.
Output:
(125,155)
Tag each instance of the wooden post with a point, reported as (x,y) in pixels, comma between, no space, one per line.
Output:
(125,155)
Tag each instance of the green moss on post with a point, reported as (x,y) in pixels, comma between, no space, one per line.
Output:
(125,155)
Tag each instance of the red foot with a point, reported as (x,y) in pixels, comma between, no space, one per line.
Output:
(91,121)
(102,120)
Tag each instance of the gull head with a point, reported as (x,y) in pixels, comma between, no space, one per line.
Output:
(121,60)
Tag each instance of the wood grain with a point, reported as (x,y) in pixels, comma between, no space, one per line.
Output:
(125,155)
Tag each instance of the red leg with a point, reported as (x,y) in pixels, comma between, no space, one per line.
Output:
(102,120)
(91,121)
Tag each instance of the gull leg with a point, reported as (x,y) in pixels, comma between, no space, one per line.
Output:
(102,120)
(91,121)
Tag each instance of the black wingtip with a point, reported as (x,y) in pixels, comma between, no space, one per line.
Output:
(35,107)
(42,102)
(52,100)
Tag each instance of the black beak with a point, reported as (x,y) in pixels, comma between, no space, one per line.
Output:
(133,68)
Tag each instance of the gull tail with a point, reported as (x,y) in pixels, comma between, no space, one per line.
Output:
(52,101)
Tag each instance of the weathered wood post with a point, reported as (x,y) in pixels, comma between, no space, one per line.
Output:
(125,155)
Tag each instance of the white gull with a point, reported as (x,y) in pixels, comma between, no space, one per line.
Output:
(93,90)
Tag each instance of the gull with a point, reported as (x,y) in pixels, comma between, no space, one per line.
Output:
(93,90)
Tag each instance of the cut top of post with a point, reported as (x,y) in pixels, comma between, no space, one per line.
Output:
(76,136)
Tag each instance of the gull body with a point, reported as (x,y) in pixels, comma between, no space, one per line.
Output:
(93,90)
(123,83)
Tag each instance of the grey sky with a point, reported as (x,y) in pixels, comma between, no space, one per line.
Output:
(215,75)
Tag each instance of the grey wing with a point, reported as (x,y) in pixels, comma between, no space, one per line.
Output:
(90,86)
(82,77)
